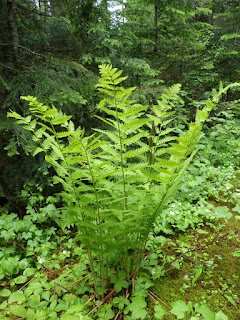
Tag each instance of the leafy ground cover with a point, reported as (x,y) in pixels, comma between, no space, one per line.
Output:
(207,270)
(44,276)
(201,266)
(41,279)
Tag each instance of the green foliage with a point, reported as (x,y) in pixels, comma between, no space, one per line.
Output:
(211,175)
(15,231)
(58,34)
(115,185)
(67,85)
(41,290)
(113,188)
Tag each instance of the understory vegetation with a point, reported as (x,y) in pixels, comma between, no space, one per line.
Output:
(120,160)
(114,238)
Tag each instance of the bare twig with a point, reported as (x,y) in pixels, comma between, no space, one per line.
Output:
(89,300)
(155,296)
(33,11)
(19,46)
(151,297)
(63,288)
(27,283)
(100,303)
(72,284)
(119,312)
(195,249)
(54,292)
(197,261)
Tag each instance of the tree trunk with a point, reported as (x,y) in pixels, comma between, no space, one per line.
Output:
(53,7)
(12,25)
(155,49)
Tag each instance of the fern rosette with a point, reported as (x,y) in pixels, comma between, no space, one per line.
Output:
(116,182)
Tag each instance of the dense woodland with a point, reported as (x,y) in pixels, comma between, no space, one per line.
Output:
(52,50)
(177,125)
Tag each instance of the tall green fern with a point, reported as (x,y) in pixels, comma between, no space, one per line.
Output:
(132,169)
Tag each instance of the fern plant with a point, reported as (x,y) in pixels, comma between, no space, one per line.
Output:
(115,181)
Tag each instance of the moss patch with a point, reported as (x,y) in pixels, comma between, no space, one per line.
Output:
(209,273)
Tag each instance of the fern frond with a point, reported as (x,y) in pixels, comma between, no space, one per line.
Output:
(157,177)
(116,181)
(109,121)
(135,153)
(164,163)
(135,124)
(135,138)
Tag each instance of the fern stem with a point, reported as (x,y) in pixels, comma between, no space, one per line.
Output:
(121,149)
(88,247)
(123,177)
(98,217)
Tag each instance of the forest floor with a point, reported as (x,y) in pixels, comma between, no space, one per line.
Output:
(210,269)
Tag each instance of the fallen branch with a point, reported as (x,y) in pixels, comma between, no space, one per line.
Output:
(102,302)
(154,296)
(195,249)
(63,288)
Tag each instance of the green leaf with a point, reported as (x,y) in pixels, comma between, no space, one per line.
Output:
(223,212)
(61,306)
(119,80)
(53,305)
(160,312)
(51,112)
(5,293)
(16,296)
(29,272)
(37,150)
(137,307)
(20,279)
(106,121)
(14,114)
(75,309)
(23,264)
(3,305)
(139,314)
(63,134)
(120,302)
(46,295)
(198,272)
(230,36)
(237,208)
(67,316)
(133,125)
(10,266)
(206,312)
(17,310)
(180,309)
(120,284)
(236,253)
(157,177)
(220,316)
(61,120)
(116,74)
(231,300)
(168,163)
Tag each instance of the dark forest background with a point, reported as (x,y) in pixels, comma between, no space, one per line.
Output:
(52,49)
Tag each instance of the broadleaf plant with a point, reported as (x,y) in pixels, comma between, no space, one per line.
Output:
(116,181)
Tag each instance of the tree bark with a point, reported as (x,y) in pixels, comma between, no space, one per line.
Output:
(155,49)
(12,25)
